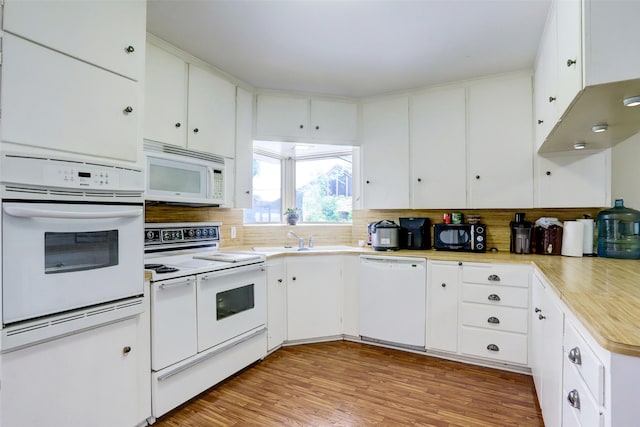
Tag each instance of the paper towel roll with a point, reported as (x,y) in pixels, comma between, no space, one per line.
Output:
(587,238)
(572,236)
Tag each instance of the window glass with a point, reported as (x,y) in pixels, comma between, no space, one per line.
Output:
(267,190)
(324,189)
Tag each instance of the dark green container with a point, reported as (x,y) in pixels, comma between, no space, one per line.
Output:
(619,232)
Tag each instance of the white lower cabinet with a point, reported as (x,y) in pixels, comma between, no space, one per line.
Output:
(314,297)
(351,305)
(442,305)
(89,378)
(276,304)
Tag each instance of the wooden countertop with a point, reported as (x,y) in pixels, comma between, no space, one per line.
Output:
(603,293)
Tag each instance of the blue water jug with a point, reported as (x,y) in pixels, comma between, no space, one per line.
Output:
(619,232)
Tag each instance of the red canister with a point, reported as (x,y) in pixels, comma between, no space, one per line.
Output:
(446,218)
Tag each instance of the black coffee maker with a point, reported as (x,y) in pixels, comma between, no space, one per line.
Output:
(521,231)
(415,233)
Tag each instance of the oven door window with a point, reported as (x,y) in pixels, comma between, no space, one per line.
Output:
(234,301)
(77,251)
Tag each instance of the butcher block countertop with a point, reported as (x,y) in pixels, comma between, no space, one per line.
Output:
(603,293)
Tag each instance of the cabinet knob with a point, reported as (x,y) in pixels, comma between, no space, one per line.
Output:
(444,285)
(493,347)
(570,62)
(279,280)
(317,127)
(128,109)
(196,130)
(541,317)
(574,398)
(178,124)
(493,320)
(493,278)
(247,192)
(368,182)
(460,263)
(540,121)
(552,98)
(574,356)
(493,297)
(419,179)
(129,49)
(537,310)
(548,173)
(477,176)
(126,350)
(293,278)
(301,126)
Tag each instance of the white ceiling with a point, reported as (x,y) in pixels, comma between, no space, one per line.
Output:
(353,48)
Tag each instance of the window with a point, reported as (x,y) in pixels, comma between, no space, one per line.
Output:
(318,180)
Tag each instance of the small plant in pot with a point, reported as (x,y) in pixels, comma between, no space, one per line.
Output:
(292,216)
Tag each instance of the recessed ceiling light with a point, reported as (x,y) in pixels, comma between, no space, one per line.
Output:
(579,146)
(631,101)
(600,128)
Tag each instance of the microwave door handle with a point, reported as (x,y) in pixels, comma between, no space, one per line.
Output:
(209,183)
(23,212)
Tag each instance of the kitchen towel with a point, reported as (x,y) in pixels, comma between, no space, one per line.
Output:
(572,237)
(587,239)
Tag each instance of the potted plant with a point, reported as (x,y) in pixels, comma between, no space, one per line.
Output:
(292,216)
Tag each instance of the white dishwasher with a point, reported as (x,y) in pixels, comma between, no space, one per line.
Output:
(393,306)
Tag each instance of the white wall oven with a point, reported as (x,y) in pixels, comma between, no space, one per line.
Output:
(71,246)
(208,310)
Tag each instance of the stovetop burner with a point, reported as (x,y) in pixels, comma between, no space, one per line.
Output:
(160,268)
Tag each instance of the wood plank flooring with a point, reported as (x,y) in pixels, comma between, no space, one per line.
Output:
(343,383)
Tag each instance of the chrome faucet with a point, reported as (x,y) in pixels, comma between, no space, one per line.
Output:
(300,239)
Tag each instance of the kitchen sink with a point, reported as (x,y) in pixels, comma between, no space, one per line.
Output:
(319,248)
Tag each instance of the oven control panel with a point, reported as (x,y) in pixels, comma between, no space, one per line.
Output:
(167,235)
(81,176)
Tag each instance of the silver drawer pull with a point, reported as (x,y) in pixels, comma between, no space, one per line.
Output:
(574,356)
(493,297)
(493,347)
(574,398)
(493,278)
(493,320)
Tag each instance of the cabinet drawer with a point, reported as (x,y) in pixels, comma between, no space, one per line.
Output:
(496,318)
(579,356)
(507,346)
(496,295)
(496,275)
(579,407)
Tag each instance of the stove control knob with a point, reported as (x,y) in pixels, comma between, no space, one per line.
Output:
(198,232)
(192,232)
(149,234)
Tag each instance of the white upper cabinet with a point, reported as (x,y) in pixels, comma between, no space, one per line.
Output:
(596,65)
(211,108)
(500,143)
(385,153)
(438,149)
(55,102)
(165,97)
(187,105)
(109,34)
(244,149)
(574,179)
(300,119)
(545,82)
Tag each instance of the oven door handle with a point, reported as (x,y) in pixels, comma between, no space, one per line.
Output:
(236,270)
(23,212)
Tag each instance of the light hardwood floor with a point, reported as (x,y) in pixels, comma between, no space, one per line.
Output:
(350,384)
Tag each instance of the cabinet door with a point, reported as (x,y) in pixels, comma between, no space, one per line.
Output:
(276,304)
(244,149)
(442,315)
(334,121)
(385,154)
(545,82)
(314,297)
(438,150)
(500,143)
(212,113)
(574,179)
(279,116)
(109,34)
(569,59)
(351,306)
(53,101)
(88,377)
(165,97)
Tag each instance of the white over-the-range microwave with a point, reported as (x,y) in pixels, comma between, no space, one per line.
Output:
(183,177)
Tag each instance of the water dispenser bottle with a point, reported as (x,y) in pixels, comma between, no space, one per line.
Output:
(619,232)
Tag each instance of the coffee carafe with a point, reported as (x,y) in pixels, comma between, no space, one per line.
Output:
(520,235)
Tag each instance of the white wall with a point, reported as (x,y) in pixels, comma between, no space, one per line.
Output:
(625,172)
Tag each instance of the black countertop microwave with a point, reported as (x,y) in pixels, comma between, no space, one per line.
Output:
(460,237)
